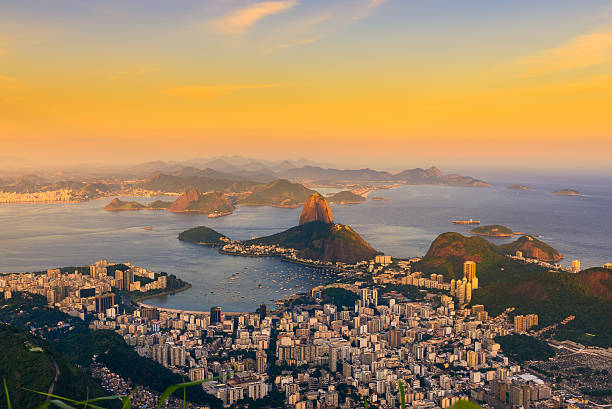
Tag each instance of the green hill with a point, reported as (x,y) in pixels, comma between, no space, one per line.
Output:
(556,296)
(176,184)
(449,251)
(345,197)
(522,348)
(322,241)
(118,204)
(202,235)
(493,230)
(120,358)
(532,248)
(30,362)
(280,193)
(159,205)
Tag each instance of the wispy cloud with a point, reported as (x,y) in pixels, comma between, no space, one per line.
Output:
(239,21)
(214,91)
(579,52)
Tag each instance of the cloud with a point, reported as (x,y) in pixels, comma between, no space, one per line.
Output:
(582,51)
(239,21)
(214,91)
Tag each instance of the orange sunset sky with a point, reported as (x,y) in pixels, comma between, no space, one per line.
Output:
(382,83)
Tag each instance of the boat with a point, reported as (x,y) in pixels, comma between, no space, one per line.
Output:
(470,221)
(148,228)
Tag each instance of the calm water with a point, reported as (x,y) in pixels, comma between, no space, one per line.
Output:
(40,236)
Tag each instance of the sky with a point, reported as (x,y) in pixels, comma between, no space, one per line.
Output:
(523,85)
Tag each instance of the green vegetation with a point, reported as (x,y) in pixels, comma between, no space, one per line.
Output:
(494,230)
(523,348)
(449,251)
(159,205)
(465,404)
(554,297)
(202,235)
(29,362)
(281,193)
(114,353)
(322,241)
(339,297)
(345,197)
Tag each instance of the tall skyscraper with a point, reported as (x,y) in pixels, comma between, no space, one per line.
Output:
(215,315)
(261,361)
(105,301)
(469,270)
(262,312)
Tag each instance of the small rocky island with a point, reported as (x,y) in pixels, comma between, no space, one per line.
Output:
(380,199)
(519,187)
(567,192)
(493,230)
(345,197)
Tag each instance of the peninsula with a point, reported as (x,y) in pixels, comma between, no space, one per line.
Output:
(345,197)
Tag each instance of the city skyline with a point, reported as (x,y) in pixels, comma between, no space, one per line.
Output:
(519,85)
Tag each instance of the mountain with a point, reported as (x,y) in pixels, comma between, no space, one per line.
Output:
(322,241)
(175,184)
(210,203)
(449,251)
(117,205)
(532,248)
(418,176)
(159,205)
(493,230)
(345,197)
(316,209)
(28,361)
(279,193)
(203,235)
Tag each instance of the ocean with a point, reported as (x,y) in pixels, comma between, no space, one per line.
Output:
(40,236)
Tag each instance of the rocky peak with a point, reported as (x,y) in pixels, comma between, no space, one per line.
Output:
(184,200)
(316,208)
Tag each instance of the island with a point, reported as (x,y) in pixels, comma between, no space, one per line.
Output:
(493,230)
(204,236)
(519,187)
(214,204)
(380,199)
(567,192)
(345,197)
(317,239)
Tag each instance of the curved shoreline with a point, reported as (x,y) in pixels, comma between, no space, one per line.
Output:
(137,300)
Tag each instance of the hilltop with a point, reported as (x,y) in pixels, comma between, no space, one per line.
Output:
(493,230)
(345,197)
(118,204)
(322,241)
(279,193)
(203,235)
(316,208)
(214,203)
(532,248)
(449,251)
